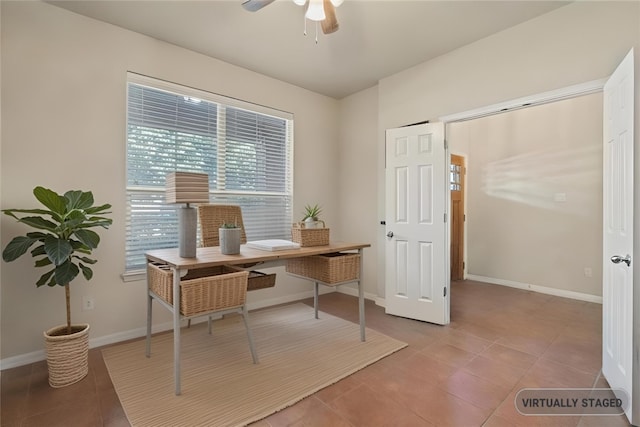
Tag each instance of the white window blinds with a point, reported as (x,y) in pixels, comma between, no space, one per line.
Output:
(245,149)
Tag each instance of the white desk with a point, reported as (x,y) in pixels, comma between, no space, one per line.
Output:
(211,257)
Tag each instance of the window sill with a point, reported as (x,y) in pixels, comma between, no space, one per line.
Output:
(134,276)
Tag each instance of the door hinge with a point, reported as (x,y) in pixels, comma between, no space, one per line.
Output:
(464,218)
(445,217)
(463,264)
(445,291)
(446,144)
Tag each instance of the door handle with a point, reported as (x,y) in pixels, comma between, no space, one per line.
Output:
(390,234)
(617,259)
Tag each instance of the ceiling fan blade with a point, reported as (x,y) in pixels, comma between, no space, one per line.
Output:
(330,23)
(255,5)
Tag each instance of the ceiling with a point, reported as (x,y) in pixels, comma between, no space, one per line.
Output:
(376,38)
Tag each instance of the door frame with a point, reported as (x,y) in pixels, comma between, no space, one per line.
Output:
(593,86)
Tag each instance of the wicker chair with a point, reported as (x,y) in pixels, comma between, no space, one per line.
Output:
(213,216)
(245,317)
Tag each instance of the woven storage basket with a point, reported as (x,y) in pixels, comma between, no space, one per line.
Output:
(201,290)
(309,236)
(67,355)
(257,279)
(328,268)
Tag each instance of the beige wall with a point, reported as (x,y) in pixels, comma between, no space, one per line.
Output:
(577,43)
(74,68)
(357,178)
(519,164)
(63,126)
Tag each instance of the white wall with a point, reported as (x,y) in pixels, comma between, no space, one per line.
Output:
(63,126)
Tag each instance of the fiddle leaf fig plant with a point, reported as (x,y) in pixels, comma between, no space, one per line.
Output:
(63,239)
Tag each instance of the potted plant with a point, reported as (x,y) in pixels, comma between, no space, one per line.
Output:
(311,216)
(63,240)
(230,238)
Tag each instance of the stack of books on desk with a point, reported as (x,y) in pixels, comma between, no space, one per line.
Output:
(273,245)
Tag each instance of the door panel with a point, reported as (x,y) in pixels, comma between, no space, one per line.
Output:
(617,291)
(416,200)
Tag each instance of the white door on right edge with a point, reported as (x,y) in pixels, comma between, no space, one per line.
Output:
(617,268)
(416,252)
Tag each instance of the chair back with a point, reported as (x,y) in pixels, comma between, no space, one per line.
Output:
(211,219)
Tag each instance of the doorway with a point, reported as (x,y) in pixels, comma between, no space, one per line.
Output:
(457,172)
(534,197)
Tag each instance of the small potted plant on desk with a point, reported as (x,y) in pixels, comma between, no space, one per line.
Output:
(311,216)
(63,241)
(230,238)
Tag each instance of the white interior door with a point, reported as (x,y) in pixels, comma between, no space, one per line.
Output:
(617,282)
(416,248)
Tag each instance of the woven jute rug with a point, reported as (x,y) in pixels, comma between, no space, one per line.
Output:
(298,354)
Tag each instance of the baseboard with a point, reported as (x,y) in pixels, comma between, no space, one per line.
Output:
(37,356)
(537,288)
(354,292)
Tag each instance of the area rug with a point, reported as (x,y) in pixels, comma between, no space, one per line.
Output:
(298,354)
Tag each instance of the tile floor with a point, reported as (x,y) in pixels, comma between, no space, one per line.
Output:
(465,374)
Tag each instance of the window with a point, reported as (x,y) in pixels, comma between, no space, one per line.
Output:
(246,149)
(454,177)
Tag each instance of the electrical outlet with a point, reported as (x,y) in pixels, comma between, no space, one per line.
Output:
(588,272)
(87,303)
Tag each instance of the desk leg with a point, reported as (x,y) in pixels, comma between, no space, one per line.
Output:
(315,298)
(361,297)
(149,308)
(176,329)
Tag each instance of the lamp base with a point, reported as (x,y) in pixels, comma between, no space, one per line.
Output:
(187,225)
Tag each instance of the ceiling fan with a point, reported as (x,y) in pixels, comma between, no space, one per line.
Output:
(323,11)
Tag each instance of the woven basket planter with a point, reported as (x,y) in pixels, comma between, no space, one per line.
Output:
(306,237)
(67,355)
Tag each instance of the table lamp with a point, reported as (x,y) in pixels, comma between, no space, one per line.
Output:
(187,187)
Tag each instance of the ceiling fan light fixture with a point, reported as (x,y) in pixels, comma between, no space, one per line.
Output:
(335,3)
(315,11)
(300,2)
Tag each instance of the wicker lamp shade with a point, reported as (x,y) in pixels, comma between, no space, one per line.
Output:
(187,187)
